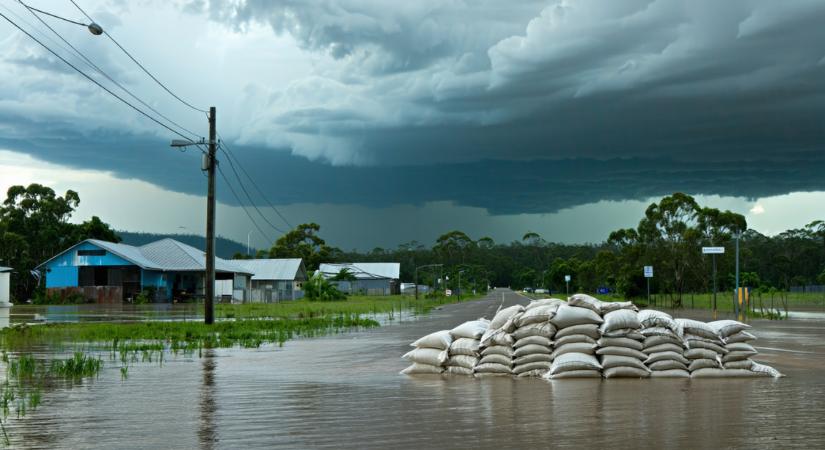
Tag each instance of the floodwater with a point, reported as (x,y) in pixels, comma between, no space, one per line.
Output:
(345,391)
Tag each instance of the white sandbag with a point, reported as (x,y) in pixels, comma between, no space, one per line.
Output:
(740,364)
(668,364)
(620,342)
(422,369)
(700,353)
(653,341)
(537,340)
(698,328)
(587,349)
(496,359)
(725,328)
(662,356)
(620,319)
(496,337)
(574,361)
(650,318)
(543,302)
(740,347)
(537,315)
(621,351)
(491,374)
(458,370)
(585,301)
(589,329)
(626,372)
(610,361)
(505,350)
(537,373)
(722,373)
(440,340)
(465,361)
(531,358)
(738,355)
(574,374)
(492,368)
(545,329)
(659,331)
(663,348)
(538,365)
(431,356)
(504,315)
(672,373)
(630,333)
(607,307)
(464,346)
(742,336)
(573,339)
(472,329)
(567,316)
(706,345)
(695,337)
(766,370)
(697,364)
(530,349)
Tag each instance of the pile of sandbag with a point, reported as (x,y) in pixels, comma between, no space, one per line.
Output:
(575,343)
(738,351)
(496,345)
(430,354)
(663,344)
(464,351)
(704,348)
(533,338)
(621,344)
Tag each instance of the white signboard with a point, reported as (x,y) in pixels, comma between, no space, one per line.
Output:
(567,278)
(648,271)
(713,250)
(448,292)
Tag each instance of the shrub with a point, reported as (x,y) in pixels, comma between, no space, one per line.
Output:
(318,288)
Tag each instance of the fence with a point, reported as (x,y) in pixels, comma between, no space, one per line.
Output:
(272,295)
(809,289)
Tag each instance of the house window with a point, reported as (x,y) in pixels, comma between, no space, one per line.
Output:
(91,253)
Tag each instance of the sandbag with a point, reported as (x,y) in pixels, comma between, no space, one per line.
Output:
(537,340)
(574,374)
(707,345)
(492,368)
(440,340)
(742,336)
(498,350)
(725,328)
(650,318)
(538,365)
(668,364)
(740,364)
(698,328)
(626,372)
(610,361)
(607,307)
(504,315)
(462,361)
(530,349)
(697,364)
(579,347)
(585,301)
(458,370)
(740,347)
(620,342)
(431,356)
(590,329)
(546,329)
(722,373)
(700,353)
(537,315)
(662,356)
(653,341)
(659,331)
(630,333)
(544,302)
(672,373)
(620,319)
(763,369)
(496,337)
(472,329)
(537,373)
(567,316)
(491,374)
(534,357)
(663,348)
(574,361)
(496,359)
(422,369)
(464,346)
(737,356)
(621,351)
(573,339)
(690,338)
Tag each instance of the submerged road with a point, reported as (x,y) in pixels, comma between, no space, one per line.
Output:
(345,391)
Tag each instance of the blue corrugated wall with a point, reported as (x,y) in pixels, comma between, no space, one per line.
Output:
(62,271)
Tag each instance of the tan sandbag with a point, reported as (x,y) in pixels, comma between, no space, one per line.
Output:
(574,374)
(610,361)
(575,339)
(621,351)
(567,316)
(626,372)
(422,369)
(545,329)
(579,347)
(620,342)
(535,357)
(491,368)
(590,329)
(673,373)
(530,349)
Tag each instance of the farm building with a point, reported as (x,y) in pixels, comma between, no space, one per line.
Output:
(274,279)
(370,278)
(5,285)
(107,272)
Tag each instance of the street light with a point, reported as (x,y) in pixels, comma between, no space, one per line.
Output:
(416,275)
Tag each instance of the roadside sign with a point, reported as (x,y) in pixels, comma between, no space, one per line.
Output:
(448,292)
(603,290)
(713,250)
(567,278)
(648,271)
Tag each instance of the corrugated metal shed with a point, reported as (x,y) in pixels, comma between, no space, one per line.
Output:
(364,271)
(271,269)
(5,269)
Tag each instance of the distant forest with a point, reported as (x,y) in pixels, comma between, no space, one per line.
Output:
(224,248)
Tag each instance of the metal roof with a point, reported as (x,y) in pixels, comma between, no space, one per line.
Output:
(271,269)
(363,270)
(5,269)
(166,255)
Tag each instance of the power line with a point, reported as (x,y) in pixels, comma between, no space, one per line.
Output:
(238,199)
(243,188)
(94,67)
(153,119)
(54,15)
(231,155)
(139,64)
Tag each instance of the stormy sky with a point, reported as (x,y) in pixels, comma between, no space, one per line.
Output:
(387,122)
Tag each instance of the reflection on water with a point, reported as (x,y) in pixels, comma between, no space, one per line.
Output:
(206,431)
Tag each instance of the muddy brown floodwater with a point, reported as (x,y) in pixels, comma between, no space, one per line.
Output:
(345,391)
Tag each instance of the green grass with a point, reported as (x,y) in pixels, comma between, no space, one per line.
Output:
(760,303)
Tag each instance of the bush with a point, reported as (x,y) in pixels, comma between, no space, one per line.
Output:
(318,288)
(58,298)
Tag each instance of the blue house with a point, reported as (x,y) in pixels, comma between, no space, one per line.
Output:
(108,272)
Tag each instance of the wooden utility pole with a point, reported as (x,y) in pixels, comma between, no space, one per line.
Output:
(208,303)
